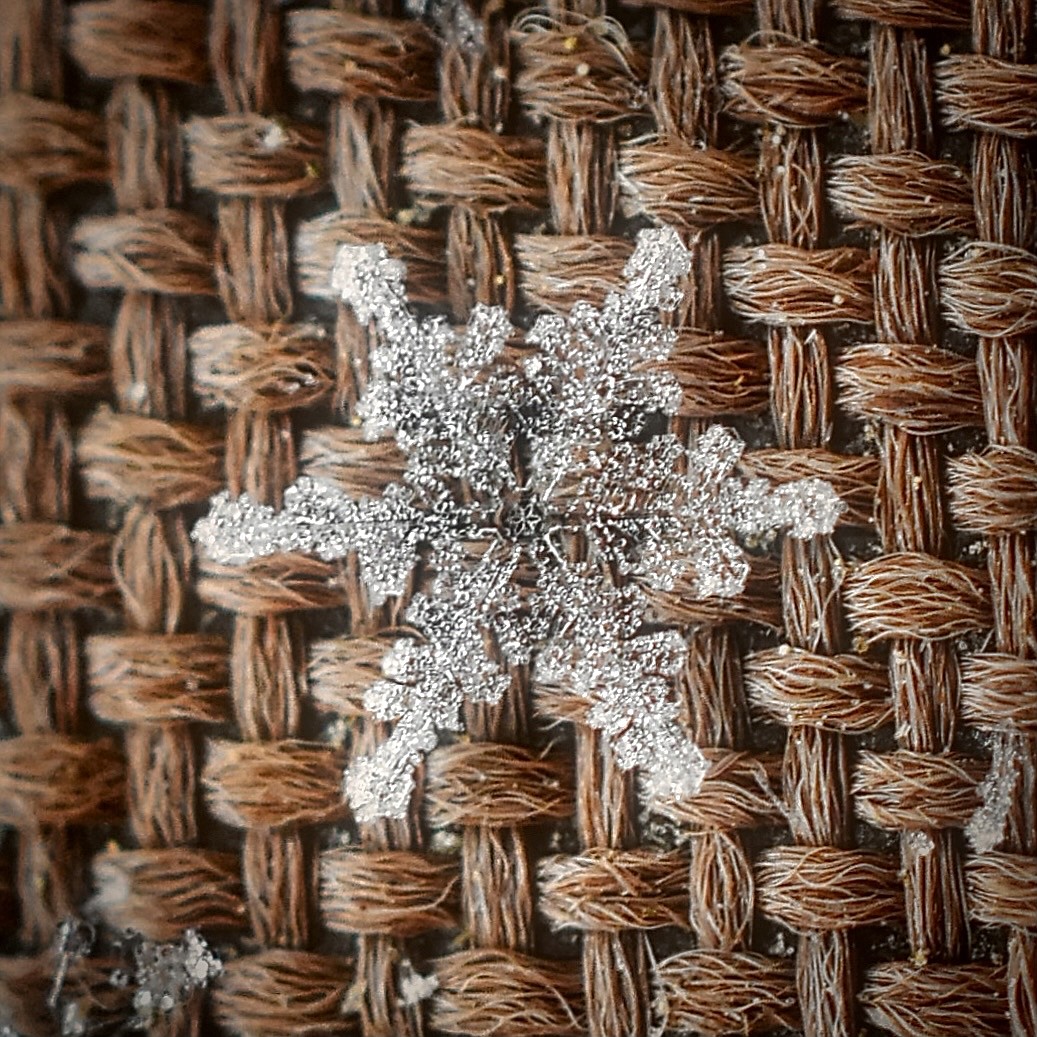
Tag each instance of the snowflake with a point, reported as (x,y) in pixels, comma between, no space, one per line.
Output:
(540,496)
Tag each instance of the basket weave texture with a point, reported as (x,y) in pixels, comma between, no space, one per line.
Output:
(855,182)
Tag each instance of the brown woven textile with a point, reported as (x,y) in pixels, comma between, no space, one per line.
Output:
(855,181)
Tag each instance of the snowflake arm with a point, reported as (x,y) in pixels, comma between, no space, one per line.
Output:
(714,505)
(427,681)
(320,520)
(598,653)
(435,391)
(315,519)
(372,283)
(591,376)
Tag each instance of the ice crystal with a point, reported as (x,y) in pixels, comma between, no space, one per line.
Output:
(986,827)
(73,940)
(166,975)
(541,495)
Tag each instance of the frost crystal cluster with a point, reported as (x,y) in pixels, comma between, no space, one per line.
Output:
(158,977)
(541,495)
(165,975)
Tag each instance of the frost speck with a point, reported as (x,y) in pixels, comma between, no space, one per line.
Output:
(920,842)
(415,988)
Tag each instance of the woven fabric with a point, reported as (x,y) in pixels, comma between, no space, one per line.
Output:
(855,183)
